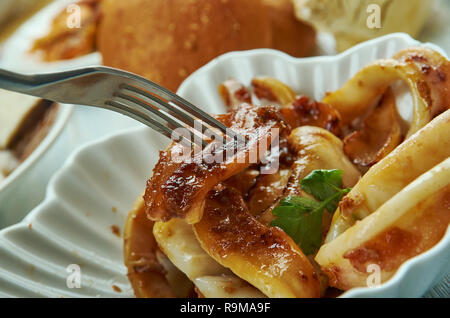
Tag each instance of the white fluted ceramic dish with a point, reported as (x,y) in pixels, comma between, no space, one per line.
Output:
(98,184)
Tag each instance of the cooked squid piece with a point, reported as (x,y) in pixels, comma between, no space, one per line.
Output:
(305,112)
(413,157)
(245,180)
(315,148)
(225,287)
(266,257)
(267,189)
(296,110)
(147,274)
(234,93)
(178,187)
(408,224)
(273,90)
(426,72)
(177,240)
(381,132)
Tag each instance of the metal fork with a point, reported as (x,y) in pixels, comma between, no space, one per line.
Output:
(123,92)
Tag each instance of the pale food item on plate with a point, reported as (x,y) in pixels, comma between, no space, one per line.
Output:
(348,19)
(24,122)
(66,39)
(14,109)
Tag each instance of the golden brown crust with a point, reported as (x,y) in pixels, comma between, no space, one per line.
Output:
(166,40)
(289,34)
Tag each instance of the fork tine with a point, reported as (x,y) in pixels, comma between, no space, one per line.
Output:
(152,110)
(155,89)
(204,116)
(148,108)
(132,112)
(173,110)
(187,119)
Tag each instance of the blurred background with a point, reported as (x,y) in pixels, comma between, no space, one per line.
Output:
(165,41)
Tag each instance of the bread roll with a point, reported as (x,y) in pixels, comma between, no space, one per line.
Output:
(288,33)
(166,40)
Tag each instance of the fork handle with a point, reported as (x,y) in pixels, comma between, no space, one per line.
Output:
(28,84)
(15,82)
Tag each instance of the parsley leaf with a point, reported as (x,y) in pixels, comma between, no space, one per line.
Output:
(301,218)
(322,184)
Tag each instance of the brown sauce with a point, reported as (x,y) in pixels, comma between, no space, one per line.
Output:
(410,237)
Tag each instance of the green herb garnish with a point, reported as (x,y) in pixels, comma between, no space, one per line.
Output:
(301,218)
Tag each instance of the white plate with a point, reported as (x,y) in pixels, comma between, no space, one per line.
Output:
(15,56)
(73,224)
